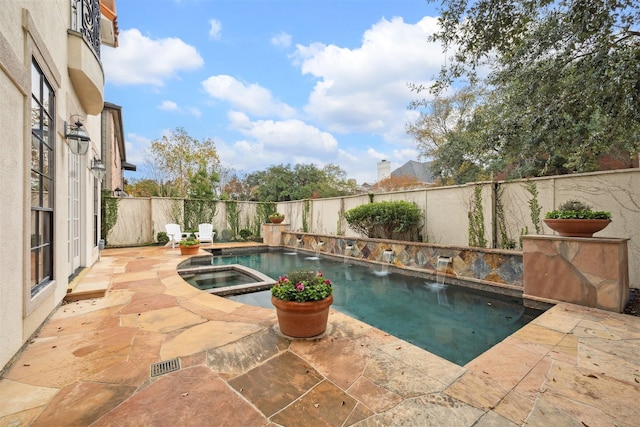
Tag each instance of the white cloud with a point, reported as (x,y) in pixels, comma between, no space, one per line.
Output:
(215,29)
(140,60)
(168,106)
(194,111)
(249,98)
(365,89)
(172,106)
(281,40)
(292,137)
(135,146)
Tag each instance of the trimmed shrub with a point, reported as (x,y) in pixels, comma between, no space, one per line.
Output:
(398,220)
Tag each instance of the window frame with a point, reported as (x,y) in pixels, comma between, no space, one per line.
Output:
(42,188)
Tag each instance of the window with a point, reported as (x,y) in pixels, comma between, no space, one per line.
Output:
(42,179)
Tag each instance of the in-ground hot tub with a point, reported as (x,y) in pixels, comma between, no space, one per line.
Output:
(226,279)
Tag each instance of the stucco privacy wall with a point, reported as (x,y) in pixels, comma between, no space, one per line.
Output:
(446,210)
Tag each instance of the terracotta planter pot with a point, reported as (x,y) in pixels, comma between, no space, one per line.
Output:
(577,227)
(189,250)
(302,319)
(276,220)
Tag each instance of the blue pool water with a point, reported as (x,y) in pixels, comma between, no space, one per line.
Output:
(453,322)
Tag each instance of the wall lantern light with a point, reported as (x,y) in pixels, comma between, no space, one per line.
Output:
(118,192)
(98,169)
(76,136)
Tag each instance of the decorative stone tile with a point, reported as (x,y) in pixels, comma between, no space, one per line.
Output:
(393,374)
(477,390)
(188,397)
(505,363)
(432,410)
(375,397)
(276,383)
(205,336)
(325,404)
(145,302)
(83,403)
(557,411)
(557,321)
(515,407)
(162,320)
(538,335)
(615,398)
(621,362)
(17,397)
(240,356)
(420,360)
(341,360)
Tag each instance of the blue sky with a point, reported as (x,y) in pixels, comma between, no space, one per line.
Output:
(274,82)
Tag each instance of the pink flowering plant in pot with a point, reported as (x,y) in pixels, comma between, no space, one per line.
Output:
(302,302)
(302,286)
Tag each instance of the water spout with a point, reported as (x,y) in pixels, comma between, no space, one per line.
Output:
(441,269)
(347,253)
(318,245)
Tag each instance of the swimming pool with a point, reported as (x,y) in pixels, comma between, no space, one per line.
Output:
(454,322)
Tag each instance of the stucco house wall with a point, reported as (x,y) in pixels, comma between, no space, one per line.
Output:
(38,30)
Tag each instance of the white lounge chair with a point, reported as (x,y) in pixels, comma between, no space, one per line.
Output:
(205,233)
(174,233)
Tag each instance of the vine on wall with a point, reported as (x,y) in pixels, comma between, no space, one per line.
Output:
(233,217)
(505,241)
(263,210)
(176,211)
(198,211)
(534,206)
(306,210)
(109,213)
(340,229)
(476,220)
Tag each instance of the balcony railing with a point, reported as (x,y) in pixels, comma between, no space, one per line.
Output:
(85,19)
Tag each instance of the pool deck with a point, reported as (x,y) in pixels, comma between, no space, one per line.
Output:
(90,365)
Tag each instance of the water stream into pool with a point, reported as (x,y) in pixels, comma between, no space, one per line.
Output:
(454,322)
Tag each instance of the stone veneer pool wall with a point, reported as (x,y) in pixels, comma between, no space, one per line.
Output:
(500,269)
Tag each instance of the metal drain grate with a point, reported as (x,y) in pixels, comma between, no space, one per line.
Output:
(165,367)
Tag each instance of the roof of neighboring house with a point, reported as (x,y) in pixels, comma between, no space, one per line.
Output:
(418,170)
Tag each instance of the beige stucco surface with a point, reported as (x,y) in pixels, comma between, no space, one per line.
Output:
(32,29)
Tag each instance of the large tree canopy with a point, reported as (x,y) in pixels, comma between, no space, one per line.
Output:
(183,161)
(564,79)
(282,182)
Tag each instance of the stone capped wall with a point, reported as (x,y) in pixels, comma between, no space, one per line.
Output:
(593,272)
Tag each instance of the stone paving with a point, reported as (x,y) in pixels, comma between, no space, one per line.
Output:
(90,365)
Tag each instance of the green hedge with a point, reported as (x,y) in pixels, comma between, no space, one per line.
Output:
(386,220)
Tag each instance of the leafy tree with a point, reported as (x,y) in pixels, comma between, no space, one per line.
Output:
(202,183)
(282,182)
(563,79)
(237,189)
(142,188)
(177,157)
(397,183)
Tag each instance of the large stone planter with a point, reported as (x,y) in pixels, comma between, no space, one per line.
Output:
(302,319)
(576,227)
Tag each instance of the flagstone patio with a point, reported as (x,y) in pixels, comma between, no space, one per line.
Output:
(90,365)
